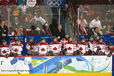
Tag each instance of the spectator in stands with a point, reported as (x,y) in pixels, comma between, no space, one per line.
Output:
(16,23)
(3,32)
(43,33)
(15,11)
(82,23)
(23,8)
(96,23)
(108,29)
(82,10)
(96,32)
(59,32)
(40,19)
(20,31)
(33,31)
(35,23)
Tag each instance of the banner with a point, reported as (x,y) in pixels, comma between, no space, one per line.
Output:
(54,3)
(55,64)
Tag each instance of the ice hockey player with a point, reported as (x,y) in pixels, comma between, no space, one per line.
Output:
(92,46)
(64,40)
(43,47)
(110,50)
(83,46)
(14,40)
(31,47)
(101,47)
(4,49)
(16,48)
(55,47)
(69,47)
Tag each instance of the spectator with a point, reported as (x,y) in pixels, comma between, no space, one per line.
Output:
(96,23)
(35,23)
(16,23)
(20,32)
(15,12)
(96,32)
(28,20)
(38,18)
(33,31)
(82,23)
(108,29)
(3,32)
(43,33)
(23,8)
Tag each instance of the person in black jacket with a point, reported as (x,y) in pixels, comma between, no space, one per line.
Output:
(3,32)
(59,32)
(95,32)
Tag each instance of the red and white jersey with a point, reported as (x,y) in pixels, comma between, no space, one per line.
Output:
(107,50)
(71,47)
(83,47)
(102,46)
(113,50)
(43,48)
(4,50)
(17,49)
(64,40)
(12,42)
(93,46)
(31,47)
(55,47)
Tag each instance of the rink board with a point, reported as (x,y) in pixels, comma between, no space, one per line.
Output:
(56,65)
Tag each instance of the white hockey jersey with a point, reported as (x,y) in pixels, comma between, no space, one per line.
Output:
(93,46)
(43,48)
(83,47)
(55,47)
(4,50)
(71,47)
(32,48)
(63,41)
(16,49)
(102,47)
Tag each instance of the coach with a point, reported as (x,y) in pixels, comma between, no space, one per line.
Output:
(3,32)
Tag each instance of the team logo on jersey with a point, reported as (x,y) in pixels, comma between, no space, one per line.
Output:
(31,3)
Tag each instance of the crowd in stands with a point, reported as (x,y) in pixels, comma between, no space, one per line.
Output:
(96,16)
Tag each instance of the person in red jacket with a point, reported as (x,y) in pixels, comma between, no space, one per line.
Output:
(54,47)
(83,46)
(31,47)
(43,47)
(4,49)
